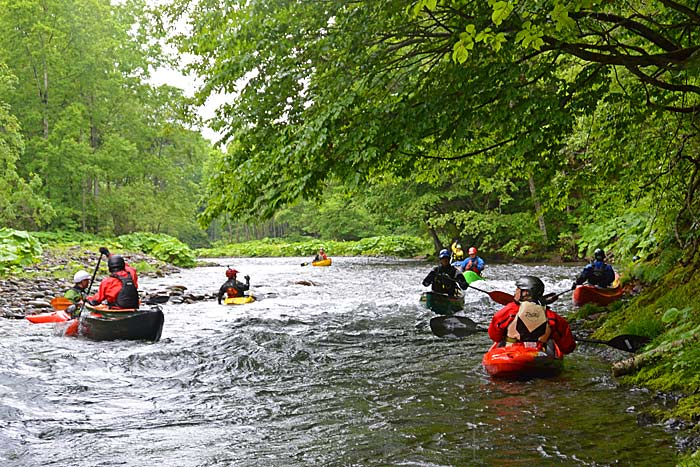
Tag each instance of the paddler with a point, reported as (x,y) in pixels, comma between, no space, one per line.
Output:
(527,319)
(232,287)
(445,277)
(77,293)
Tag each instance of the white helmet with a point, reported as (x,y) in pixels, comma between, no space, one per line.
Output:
(80,276)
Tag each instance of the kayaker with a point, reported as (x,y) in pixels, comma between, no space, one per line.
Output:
(81,282)
(527,319)
(120,288)
(445,277)
(77,293)
(457,252)
(598,273)
(233,288)
(472,262)
(321,255)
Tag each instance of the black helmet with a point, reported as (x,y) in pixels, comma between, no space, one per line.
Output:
(533,285)
(599,254)
(115,263)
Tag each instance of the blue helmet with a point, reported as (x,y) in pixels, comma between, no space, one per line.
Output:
(444,254)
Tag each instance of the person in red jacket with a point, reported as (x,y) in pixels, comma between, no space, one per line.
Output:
(120,289)
(527,319)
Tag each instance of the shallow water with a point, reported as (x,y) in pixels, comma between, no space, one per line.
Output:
(345,372)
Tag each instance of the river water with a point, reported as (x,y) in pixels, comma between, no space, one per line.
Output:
(342,373)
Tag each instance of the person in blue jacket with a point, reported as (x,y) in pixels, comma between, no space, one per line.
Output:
(472,262)
(598,273)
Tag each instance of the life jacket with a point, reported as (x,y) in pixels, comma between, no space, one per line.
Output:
(232,292)
(128,296)
(529,325)
(474,266)
(443,282)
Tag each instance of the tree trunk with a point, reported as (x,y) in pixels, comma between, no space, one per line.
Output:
(538,207)
(436,240)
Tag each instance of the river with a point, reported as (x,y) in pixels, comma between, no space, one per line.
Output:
(341,373)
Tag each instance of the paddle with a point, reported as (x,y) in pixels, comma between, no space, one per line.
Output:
(497,296)
(461,326)
(60,303)
(626,342)
(454,326)
(92,280)
(305,264)
(504,298)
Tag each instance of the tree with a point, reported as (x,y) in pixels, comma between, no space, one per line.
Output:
(356,89)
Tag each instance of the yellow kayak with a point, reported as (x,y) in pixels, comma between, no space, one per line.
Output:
(323,262)
(239,300)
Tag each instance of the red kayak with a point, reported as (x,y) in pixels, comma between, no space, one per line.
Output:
(585,294)
(522,360)
(58,316)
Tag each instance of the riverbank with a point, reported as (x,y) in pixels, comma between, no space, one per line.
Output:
(30,291)
(662,303)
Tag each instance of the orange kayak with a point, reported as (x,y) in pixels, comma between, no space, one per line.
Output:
(523,360)
(323,262)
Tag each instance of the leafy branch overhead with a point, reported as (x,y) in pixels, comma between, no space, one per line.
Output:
(543,100)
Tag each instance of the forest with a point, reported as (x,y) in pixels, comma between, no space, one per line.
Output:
(521,127)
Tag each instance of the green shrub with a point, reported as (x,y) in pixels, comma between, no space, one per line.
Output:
(162,246)
(17,249)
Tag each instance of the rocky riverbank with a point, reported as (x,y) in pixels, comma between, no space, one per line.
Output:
(31,291)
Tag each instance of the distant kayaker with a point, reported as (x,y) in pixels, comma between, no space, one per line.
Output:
(445,277)
(120,288)
(472,262)
(233,288)
(598,273)
(457,252)
(321,255)
(527,319)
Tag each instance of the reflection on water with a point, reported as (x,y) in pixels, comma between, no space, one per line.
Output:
(344,373)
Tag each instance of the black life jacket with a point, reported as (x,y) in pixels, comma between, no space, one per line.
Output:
(443,282)
(128,296)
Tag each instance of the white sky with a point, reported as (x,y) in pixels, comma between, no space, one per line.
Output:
(188,84)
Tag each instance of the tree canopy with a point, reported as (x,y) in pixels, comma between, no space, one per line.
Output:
(87,143)
(568,112)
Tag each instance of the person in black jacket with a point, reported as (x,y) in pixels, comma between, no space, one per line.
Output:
(233,288)
(445,277)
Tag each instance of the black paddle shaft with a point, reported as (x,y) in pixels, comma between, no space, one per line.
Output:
(92,280)
(626,342)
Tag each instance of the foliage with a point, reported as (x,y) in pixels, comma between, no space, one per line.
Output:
(162,246)
(668,312)
(572,113)
(90,144)
(17,249)
(402,246)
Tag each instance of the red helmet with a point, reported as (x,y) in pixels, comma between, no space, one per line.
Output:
(472,251)
(231,273)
